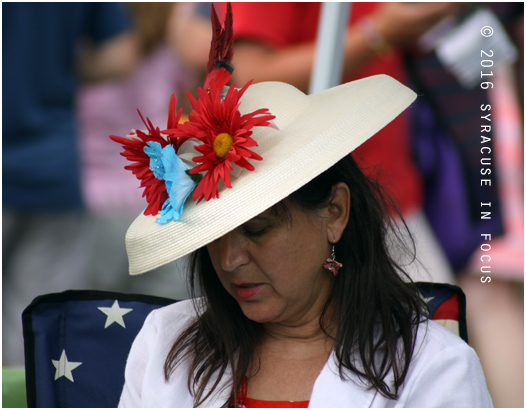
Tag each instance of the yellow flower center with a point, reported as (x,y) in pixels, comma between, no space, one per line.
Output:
(222,145)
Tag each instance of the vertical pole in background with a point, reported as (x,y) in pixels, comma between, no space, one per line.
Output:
(328,64)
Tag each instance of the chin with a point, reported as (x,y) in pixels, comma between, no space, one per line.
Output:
(257,312)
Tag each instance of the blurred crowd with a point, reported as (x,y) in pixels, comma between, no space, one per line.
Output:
(75,73)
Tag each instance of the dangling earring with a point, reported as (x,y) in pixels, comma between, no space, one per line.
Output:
(332,264)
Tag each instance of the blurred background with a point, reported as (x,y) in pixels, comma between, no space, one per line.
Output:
(75,73)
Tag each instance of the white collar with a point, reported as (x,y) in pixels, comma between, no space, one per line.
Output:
(329,389)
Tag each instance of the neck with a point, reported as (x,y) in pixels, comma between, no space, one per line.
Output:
(305,329)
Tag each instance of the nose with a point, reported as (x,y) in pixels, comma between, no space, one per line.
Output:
(233,251)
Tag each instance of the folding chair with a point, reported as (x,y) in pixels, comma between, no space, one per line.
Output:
(77,342)
(76,345)
(447,306)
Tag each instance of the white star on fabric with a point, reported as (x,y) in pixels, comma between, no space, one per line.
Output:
(115,314)
(64,367)
(427,300)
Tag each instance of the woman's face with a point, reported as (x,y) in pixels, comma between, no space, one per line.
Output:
(273,267)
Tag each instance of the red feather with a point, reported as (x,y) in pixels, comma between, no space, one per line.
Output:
(222,45)
(228,40)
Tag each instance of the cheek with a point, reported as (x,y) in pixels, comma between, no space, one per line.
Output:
(308,256)
(296,257)
(311,243)
(276,259)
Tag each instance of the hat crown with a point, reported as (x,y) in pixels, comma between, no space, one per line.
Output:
(283,100)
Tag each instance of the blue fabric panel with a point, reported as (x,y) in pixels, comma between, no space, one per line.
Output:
(66,322)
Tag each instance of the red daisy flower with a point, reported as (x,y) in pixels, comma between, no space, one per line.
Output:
(226,134)
(154,189)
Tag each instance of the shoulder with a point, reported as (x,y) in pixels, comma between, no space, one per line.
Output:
(436,347)
(445,372)
(183,311)
(434,337)
(162,326)
(145,382)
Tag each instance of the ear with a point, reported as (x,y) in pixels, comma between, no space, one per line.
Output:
(338,211)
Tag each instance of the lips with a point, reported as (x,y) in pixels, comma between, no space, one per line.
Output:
(246,291)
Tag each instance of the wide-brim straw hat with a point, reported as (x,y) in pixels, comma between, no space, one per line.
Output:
(313,133)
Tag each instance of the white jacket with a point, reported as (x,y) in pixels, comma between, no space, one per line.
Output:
(445,372)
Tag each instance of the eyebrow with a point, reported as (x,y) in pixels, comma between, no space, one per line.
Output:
(273,212)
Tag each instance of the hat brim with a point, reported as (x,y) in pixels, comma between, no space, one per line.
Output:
(315,132)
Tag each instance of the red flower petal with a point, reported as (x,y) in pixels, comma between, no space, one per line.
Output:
(211,117)
(154,189)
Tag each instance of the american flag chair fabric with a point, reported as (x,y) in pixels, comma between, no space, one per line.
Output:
(447,306)
(76,345)
(77,342)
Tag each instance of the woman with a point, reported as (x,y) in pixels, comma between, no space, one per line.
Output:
(301,302)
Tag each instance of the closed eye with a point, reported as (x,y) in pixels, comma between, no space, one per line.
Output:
(255,232)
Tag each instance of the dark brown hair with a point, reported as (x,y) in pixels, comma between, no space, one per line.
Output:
(151,20)
(378,307)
